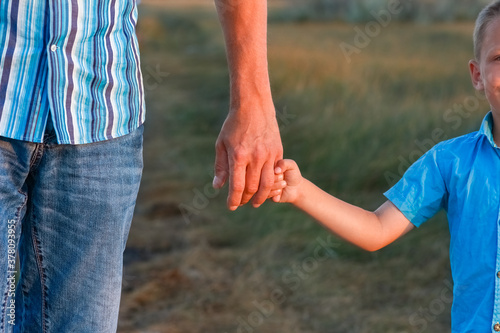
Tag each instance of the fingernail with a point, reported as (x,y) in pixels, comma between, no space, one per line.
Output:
(216,182)
(283,183)
(233,208)
(277,170)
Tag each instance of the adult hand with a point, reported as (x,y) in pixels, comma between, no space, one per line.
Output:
(249,143)
(247,149)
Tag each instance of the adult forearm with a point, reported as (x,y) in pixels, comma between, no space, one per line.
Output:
(249,143)
(244,24)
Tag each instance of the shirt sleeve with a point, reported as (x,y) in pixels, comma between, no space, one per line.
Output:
(421,193)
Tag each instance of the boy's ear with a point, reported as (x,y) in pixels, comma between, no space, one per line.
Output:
(475,74)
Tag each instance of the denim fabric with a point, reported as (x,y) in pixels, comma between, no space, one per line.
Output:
(67,209)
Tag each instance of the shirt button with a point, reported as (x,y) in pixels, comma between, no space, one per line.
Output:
(498,275)
(53,48)
(497,327)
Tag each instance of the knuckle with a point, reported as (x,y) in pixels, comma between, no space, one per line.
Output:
(220,171)
(252,188)
(238,187)
(245,200)
(233,202)
(267,183)
(261,152)
(240,155)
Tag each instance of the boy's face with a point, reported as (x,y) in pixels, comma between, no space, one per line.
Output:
(485,72)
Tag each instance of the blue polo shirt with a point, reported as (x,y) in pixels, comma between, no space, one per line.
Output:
(462,176)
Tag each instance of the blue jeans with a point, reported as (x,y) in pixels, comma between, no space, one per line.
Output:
(67,209)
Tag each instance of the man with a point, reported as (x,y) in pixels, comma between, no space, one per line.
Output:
(71,115)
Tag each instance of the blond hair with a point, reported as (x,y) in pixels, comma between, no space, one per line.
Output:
(488,14)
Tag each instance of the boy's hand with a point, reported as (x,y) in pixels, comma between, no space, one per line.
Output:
(287,182)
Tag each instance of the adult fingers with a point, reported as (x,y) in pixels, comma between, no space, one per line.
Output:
(266,183)
(237,172)
(221,167)
(252,182)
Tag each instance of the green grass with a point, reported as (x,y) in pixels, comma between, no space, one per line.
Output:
(351,124)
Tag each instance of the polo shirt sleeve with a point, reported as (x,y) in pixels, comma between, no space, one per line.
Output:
(421,192)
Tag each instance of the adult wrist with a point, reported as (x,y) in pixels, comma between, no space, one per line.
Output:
(250,93)
(253,103)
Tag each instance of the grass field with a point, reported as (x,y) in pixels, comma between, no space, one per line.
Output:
(192,266)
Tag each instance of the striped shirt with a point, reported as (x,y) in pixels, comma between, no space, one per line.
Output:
(76,61)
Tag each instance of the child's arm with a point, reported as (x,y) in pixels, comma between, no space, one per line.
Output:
(368,230)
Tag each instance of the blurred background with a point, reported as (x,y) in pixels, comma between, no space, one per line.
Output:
(362,89)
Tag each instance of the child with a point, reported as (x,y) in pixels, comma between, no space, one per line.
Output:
(461,175)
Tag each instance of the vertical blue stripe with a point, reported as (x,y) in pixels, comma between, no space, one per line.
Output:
(92,82)
(11,43)
(109,73)
(71,65)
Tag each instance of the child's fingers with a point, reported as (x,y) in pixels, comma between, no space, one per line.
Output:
(274,193)
(278,177)
(278,185)
(284,165)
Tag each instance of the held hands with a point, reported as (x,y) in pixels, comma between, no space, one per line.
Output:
(287,181)
(246,152)
(249,144)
